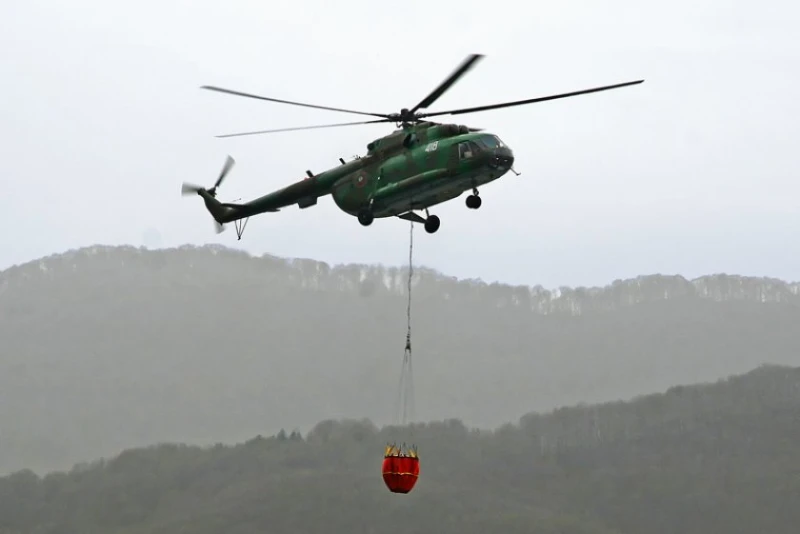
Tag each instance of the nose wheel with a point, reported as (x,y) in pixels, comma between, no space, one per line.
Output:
(365,217)
(474,201)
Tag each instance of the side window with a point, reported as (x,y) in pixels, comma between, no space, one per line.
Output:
(464,151)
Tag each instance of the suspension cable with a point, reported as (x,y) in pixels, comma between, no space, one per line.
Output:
(410,276)
(406,387)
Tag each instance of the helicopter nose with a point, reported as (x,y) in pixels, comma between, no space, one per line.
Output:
(503,158)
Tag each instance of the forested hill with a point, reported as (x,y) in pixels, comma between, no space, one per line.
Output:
(219,265)
(718,457)
(107,348)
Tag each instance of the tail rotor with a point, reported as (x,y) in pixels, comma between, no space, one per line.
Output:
(192,189)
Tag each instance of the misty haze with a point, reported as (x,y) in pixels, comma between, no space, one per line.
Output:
(604,299)
(109,348)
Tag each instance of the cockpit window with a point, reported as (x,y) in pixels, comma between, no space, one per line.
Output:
(490,141)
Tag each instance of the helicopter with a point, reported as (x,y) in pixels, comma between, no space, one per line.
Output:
(419,165)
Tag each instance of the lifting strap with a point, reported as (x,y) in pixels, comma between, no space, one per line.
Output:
(405,394)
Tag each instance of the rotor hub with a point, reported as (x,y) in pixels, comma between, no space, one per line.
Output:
(407,116)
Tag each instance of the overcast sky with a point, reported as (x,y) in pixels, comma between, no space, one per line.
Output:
(693,172)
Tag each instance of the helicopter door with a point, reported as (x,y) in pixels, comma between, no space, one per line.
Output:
(465,151)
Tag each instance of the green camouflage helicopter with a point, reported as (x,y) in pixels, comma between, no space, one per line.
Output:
(419,165)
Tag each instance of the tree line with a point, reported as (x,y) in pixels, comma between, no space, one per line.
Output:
(715,457)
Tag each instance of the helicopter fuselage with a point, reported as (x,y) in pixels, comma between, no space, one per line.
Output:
(423,176)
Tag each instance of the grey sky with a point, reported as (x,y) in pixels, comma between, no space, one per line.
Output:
(692,172)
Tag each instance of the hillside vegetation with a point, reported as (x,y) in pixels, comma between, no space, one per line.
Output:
(718,457)
(107,348)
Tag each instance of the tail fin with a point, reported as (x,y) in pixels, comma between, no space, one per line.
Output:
(221,213)
(217,210)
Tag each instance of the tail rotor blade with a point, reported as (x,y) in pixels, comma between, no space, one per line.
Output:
(189,189)
(225,170)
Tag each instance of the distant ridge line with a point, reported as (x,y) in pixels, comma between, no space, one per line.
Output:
(316,275)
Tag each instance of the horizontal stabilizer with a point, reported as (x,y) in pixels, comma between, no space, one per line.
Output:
(413,217)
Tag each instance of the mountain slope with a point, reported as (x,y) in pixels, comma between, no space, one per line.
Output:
(704,458)
(106,348)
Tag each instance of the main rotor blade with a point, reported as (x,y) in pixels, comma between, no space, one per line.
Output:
(258,97)
(460,71)
(529,101)
(306,128)
(225,169)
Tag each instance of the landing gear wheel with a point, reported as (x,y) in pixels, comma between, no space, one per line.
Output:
(474,202)
(432,224)
(365,217)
